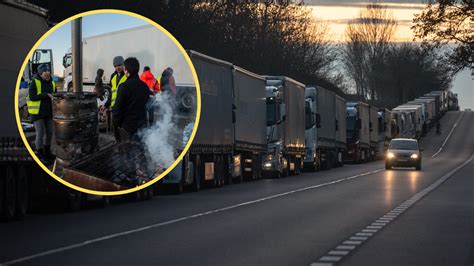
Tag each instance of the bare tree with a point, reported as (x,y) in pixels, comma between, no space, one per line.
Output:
(449,21)
(368,41)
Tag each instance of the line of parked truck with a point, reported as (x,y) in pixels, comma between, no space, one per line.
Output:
(261,125)
(251,126)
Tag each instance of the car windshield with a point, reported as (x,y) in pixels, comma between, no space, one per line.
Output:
(403,145)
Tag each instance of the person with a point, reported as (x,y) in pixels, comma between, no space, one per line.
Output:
(117,78)
(167,81)
(40,108)
(151,82)
(99,84)
(129,111)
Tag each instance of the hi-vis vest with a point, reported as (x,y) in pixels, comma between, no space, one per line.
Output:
(34,106)
(115,87)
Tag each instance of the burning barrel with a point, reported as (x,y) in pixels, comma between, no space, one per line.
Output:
(75,119)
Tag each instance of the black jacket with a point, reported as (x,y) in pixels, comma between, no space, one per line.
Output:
(46,107)
(129,111)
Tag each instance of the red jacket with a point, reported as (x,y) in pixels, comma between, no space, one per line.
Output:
(149,79)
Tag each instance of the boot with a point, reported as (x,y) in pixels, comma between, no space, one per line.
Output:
(47,153)
(40,154)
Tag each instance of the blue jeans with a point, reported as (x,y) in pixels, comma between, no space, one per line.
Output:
(44,132)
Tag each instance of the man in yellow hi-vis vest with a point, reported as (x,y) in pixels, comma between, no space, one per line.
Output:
(40,108)
(117,78)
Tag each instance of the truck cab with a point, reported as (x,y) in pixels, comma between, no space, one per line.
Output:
(312,123)
(274,161)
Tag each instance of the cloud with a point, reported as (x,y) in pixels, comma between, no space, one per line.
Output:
(358,20)
(393,4)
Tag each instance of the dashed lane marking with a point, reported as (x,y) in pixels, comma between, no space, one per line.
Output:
(449,135)
(355,241)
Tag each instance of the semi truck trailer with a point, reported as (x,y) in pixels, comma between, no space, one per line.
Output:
(323,123)
(285,101)
(358,132)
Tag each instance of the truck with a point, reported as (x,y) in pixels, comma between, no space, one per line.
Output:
(418,118)
(224,150)
(285,106)
(384,130)
(340,129)
(22,182)
(157,51)
(438,104)
(406,122)
(358,132)
(430,109)
(453,104)
(322,128)
(373,128)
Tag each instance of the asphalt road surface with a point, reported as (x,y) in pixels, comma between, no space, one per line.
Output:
(354,215)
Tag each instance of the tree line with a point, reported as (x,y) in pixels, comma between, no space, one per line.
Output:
(279,37)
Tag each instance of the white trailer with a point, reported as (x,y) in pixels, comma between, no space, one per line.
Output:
(148,44)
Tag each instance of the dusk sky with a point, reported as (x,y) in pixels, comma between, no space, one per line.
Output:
(337,13)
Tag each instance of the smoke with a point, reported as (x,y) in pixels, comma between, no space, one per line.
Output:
(161,139)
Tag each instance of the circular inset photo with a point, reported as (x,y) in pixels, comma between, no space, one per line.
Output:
(107,102)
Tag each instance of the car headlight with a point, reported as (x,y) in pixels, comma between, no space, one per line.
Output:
(390,155)
(414,156)
(267,165)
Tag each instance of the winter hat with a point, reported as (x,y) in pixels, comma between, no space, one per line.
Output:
(118,61)
(42,68)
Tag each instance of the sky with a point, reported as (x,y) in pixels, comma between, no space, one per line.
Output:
(337,13)
(60,40)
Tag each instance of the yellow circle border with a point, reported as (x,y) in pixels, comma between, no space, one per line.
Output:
(196,121)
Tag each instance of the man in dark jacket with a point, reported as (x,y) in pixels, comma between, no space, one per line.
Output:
(129,111)
(40,108)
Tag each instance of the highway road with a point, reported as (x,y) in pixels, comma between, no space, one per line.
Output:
(354,215)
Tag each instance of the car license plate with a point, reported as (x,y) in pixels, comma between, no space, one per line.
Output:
(402,160)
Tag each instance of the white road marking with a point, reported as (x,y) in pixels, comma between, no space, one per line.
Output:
(360,238)
(321,264)
(345,247)
(449,135)
(330,258)
(338,252)
(194,216)
(351,242)
(366,233)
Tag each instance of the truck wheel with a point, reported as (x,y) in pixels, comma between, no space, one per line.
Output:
(418,166)
(22,191)
(73,200)
(196,186)
(9,197)
(387,166)
(105,201)
(177,188)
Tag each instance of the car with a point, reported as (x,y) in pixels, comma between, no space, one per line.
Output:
(404,153)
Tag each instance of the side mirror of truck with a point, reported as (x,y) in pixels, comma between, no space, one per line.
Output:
(64,62)
(318,120)
(233,117)
(359,124)
(283,118)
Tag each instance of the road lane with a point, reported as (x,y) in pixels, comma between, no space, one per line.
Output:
(288,230)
